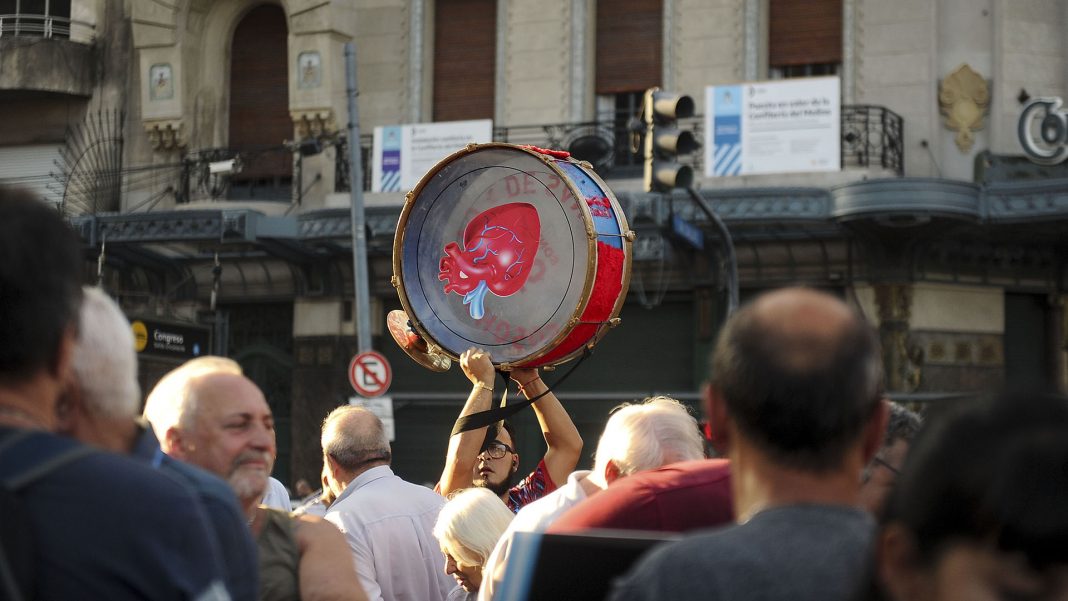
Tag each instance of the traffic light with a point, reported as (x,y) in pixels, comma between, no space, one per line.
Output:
(664,141)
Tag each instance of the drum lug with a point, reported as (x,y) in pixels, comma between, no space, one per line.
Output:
(614,322)
(586,164)
(394,281)
(630,235)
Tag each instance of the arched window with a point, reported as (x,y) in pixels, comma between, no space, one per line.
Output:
(259,106)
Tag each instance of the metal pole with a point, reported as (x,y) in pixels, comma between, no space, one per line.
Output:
(359,235)
(727,244)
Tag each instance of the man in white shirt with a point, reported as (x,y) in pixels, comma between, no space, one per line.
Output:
(638,436)
(388,522)
(277,496)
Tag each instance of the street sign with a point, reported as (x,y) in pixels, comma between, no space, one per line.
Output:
(170,339)
(688,232)
(370,374)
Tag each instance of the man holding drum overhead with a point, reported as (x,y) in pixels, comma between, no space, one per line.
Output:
(487,457)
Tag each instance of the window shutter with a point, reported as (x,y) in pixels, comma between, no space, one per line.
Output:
(629,51)
(465,51)
(804,32)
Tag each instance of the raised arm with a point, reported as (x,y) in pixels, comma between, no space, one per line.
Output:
(464,447)
(561,436)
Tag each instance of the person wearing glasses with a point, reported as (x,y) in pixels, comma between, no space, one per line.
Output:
(879,476)
(387,521)
(488,457)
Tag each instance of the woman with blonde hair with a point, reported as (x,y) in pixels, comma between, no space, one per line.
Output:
(467,529)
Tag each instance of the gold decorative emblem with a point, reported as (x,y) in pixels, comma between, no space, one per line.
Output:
(964,97)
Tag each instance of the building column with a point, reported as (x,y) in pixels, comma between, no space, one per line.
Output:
(894,305)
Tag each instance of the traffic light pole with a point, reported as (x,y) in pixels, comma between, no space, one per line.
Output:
(727,243)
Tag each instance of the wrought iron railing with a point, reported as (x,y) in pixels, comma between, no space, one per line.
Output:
(46,26)
(871,137)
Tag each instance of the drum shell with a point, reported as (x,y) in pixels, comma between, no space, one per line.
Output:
(604,280)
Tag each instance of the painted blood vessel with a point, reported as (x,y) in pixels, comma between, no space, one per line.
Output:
(500,246)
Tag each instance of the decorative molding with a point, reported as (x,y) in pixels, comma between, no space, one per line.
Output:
(313,123)
(752,31)
(500,61)
(667,42)
(165,134)
(579,74)
(416,40)
(964,98)
(1026,201)
(849,51)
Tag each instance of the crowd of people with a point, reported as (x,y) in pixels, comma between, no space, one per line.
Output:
(820,488)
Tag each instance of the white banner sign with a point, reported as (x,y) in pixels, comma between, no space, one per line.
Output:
(782,126)
(382,407)
(404,153)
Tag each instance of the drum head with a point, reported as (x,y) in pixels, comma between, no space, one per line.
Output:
(493,250)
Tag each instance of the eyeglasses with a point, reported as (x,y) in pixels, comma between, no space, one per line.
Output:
(883,463)
(496,450)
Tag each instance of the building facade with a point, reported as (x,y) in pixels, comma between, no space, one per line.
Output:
(201,147)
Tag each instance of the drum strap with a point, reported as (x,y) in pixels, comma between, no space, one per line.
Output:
(496,414)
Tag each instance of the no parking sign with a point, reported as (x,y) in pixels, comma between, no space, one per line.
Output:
(370,374)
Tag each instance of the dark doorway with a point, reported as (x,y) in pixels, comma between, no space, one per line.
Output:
(1028,365)
(261,340)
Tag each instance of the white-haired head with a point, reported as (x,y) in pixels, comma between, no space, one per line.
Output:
(470,524)
(641,436)
(172,403)
(105,359)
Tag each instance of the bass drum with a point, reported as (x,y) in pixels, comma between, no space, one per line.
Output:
(522,252)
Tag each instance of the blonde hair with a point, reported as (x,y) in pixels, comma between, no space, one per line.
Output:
(172,403)
(470,524)
(641,436)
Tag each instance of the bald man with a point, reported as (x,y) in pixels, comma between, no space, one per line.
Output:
(796,400)
(388,522)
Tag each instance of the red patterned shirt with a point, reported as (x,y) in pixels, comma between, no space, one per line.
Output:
(530,489)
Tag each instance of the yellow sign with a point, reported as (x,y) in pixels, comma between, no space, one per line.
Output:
(140,333)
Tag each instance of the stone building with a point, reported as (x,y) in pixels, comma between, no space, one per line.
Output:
(200,146)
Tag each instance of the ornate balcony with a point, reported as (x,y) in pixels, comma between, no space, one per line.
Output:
(62,63)
(872,137)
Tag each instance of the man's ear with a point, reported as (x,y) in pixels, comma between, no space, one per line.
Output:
(172,444)
(515,462)
(875,430)
(612,472)
(715,407)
